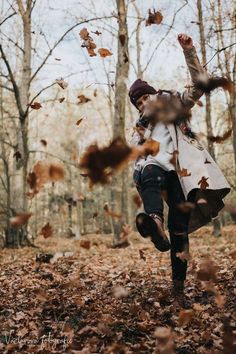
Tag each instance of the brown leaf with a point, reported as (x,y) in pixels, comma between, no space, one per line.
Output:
(83,99)
(208,84)
(206,161)
(104,52)
(207,271)
(185,316)
(88,42)
(79,121)
(35,105)
(151,147)
(62,83)
(142,255)
(97,32)
(46,231)
(220,139)
(20,219)
(110,212)
(17,155)
(154,17)
(203,183)
(184,256)
(61,99)
(184,172)
(174,158)
(137,200)
(56,172)
(43,142)
(85,244)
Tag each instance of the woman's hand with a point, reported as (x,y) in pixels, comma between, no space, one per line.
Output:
(185,41)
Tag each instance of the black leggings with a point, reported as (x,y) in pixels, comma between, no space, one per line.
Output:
(154,184)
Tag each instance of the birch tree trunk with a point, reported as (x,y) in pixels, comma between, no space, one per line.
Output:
(215,222)
(119,190)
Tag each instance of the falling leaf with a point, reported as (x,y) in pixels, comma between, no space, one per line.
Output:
(97,32)
(104,52)
(79,121)
(17,155)
(35,105)
(151,147)
(174,158)
(185,316)
(58,59)
(20,219)
(206,161)
(88,42)
(85,244)
(154,17)
(203,183)
(46,231)
(61,99)
(184,172)
(83,99)
(207,84)
(207,271)
(110,212)
(137,200)
(32,180)
(142,255)
(62,83)
(95,93)
(220,139)
(43,142)
(56,172)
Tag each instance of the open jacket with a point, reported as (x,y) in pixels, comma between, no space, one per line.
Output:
(203,177)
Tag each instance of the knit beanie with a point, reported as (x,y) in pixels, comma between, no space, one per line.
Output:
(138,89)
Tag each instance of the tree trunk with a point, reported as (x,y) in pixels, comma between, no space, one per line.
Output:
(215,222)
(119,190)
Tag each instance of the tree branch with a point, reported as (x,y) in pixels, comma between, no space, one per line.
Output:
(62,37)
(5,19)
(218,51)
(14,84)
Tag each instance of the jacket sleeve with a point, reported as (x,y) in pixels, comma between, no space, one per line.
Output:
(196,70)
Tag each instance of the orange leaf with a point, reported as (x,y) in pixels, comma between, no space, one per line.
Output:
(35,105)
(20,219)
(46,231)
(154,17)
(104,52)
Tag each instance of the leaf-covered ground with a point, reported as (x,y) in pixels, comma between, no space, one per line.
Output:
(104,300)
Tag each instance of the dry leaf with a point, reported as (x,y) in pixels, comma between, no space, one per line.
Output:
(46,231)
(185,316)
(142,255)
(85,244)
(61,99)
(20,219)
(62,83)
(79,121)
(104,52)
(154,17)
(35,105)
(184,173)
(203,183)
(83,99)
(43,142)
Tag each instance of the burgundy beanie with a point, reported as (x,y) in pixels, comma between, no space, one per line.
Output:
(138,89)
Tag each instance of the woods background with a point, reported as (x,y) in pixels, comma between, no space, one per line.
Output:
(42,119)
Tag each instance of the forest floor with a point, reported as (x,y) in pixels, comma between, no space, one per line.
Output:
(91,298)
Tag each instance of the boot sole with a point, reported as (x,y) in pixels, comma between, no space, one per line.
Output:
(147,227)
